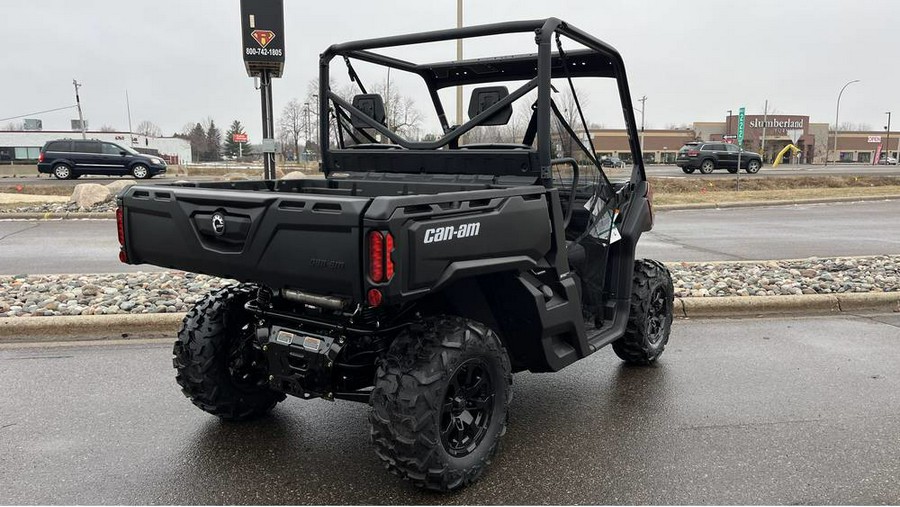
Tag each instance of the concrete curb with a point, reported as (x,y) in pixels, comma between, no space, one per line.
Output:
(756,204)
(112,327)
(84,327)
(746,306)
(109,215)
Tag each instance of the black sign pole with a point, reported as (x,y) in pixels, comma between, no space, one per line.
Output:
(268,126)
(262,34)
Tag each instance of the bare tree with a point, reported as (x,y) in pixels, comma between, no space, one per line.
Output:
(401,114)
(149,129)
(849,126)
(13,126)
(569,111)
(293,124)
(107,128)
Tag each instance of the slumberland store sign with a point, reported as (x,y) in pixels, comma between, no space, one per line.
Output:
(778,124)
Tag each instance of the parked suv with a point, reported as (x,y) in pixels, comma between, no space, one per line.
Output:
(708,156)
(68,158)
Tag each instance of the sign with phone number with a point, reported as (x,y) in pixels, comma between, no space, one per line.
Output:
(263,52)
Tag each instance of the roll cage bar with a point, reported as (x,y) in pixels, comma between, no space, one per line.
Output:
(537,70)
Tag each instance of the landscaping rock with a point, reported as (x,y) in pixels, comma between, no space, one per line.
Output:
(87,195)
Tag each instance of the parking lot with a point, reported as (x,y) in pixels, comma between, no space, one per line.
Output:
(771,411)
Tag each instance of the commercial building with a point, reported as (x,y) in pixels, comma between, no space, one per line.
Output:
(777,131)
(24,146)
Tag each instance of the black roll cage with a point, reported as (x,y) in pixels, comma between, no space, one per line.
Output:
(598,60)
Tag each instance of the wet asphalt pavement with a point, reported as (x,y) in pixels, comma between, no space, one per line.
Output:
(774,232)
(736,411)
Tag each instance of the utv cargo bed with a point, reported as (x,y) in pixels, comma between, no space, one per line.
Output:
(308,234)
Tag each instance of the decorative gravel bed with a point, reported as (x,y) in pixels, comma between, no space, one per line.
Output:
(56,207)
(173,292)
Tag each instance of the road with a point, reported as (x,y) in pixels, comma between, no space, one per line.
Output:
(785,170)
(736,412)
(652,170)
(775,232)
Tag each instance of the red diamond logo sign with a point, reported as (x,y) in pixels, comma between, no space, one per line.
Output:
(263,37)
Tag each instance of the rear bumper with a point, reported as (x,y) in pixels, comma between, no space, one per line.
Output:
(687,162)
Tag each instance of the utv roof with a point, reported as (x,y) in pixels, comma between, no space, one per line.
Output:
(601,60)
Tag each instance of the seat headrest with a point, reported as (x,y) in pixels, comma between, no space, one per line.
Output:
(372,104)
(485,97)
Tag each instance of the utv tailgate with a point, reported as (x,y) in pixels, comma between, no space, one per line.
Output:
(309,242)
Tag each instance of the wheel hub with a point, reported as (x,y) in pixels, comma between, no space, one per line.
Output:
(467,408)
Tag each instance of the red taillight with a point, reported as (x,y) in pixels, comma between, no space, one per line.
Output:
(41,157)
(120,225)
(388,256)
(120,229)
(376,256)
(374,297)
(693,153)
(381,265)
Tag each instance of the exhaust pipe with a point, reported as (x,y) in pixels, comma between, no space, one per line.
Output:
(297,296)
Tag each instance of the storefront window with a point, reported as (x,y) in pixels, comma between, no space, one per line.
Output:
(25,153)
(864,156)
(846,156)
(626,157)
(668,157)
(649,157)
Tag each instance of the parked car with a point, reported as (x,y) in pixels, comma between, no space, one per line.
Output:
(709,156)
(611,162)
(886,160)
(71,158)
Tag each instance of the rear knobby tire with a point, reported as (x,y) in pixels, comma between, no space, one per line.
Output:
(440,402)
(650,319)
(214,358)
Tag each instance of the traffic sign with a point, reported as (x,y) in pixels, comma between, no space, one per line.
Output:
(740,134)
(239,138)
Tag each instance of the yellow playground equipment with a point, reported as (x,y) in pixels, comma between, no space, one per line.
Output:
(781,153)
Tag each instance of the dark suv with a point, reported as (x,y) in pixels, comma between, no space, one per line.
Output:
(708,156)
(67,158)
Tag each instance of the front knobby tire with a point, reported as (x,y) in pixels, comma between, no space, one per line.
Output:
(217,366)
(650,319)
(440,403)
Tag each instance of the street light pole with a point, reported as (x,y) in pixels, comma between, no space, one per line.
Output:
(887,141)
(837,113)
(728,125)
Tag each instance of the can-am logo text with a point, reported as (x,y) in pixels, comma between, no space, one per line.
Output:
(449,232)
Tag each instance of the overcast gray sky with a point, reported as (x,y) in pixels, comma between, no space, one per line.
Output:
(181,59)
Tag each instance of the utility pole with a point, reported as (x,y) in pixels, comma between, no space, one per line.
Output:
(836,115)
(459,56)
(762,149)
(643,101)
(78,103)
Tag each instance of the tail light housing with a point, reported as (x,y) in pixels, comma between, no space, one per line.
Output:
(120,229)
(381,263)
(41,157)
(692,153)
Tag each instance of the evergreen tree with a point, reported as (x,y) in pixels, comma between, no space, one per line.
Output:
(213,142)
(231,148)
(197,137)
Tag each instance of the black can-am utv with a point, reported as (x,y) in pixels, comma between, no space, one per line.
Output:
(417,276)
